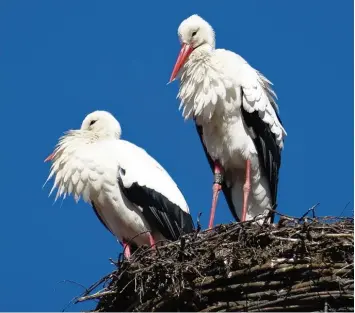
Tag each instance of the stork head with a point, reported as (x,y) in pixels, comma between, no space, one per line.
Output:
(103,124)
(98,124)
(194,32)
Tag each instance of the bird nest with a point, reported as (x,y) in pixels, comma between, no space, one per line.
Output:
(299,264)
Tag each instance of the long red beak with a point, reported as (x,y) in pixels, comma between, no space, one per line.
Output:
(49,158)
(183,55)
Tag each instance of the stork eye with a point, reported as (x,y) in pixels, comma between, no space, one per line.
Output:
(92,122)
(193,33)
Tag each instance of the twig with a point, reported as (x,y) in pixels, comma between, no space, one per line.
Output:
(198,222)
(312,209)
(344,209)
(95,295)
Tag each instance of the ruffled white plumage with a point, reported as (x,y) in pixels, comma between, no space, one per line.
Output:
(80,167)
(87,166)
(214,79)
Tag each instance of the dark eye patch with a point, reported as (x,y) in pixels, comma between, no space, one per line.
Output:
(194,33)
(92,122)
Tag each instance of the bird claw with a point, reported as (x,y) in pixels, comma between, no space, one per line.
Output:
(126,251)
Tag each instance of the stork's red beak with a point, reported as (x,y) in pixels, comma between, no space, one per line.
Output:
(49,158)
(183,55)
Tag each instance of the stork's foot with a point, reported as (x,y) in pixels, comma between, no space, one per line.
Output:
(152,242)
(126,250)
(246,191)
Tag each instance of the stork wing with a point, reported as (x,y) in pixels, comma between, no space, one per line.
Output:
(269,153)
(146,184)
(259,111)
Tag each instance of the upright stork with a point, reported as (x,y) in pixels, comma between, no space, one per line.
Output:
(236,118)
(130,192)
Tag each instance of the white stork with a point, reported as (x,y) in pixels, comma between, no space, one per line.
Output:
(130,192)
(236,117)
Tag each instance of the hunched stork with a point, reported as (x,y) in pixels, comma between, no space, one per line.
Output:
(131,193)
(236,116)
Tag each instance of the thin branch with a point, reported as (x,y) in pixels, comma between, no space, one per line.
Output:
(96,295)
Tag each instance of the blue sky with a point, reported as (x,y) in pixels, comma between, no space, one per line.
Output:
(60,60)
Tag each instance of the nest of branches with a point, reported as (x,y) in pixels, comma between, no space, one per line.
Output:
(299,264)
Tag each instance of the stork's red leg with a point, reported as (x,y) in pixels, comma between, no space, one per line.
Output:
(217,186)
(151,241)
(246,190)
(126,250)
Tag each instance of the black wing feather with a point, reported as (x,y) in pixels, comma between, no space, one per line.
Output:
(225,189)
(269,153)
(168,217)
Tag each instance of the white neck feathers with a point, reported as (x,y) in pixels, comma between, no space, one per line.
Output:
(202,84)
